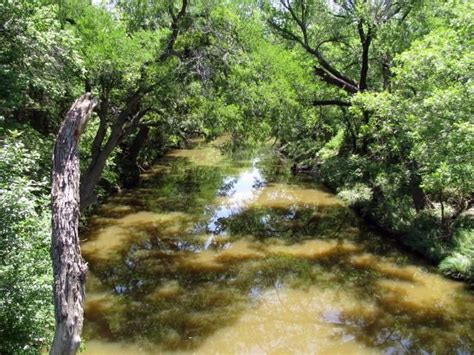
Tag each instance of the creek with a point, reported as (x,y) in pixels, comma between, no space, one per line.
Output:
(214,254)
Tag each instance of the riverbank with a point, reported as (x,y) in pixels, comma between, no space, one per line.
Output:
(451,249)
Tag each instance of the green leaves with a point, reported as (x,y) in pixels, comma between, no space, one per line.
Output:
(113,57)
(26,311)
(439,70)
(38,59)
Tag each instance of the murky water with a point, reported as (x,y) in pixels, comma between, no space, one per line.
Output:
(214,255)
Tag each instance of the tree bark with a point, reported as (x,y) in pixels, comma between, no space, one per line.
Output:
(365,40)
(102,112)
(130,171)
(94,171)
(68,266)
(414,184)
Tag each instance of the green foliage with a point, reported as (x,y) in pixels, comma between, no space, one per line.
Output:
(112,56)
(412,128)
(442,75)
(356,194)
(39,64)
(227,73)
(332,147)
(431,109)
(264,86)
(459,262)
(26,313)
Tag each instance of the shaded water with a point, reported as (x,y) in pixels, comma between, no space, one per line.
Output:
(219,255)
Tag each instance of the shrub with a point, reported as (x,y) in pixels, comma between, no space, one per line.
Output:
(26,311)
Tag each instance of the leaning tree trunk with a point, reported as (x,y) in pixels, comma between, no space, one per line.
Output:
(130,175)
(68,266)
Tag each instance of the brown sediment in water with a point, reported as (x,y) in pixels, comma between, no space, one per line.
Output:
(205,156)
(280,195)
(213,256)
(316,249)
(168,290)
(117,234)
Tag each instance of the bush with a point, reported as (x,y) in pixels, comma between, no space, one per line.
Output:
(460,262)
(26,310)
(392,208)
(356,195)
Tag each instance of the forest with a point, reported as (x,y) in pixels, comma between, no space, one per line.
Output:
(372,99)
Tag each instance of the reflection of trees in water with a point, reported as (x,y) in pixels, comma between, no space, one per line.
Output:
(227,187)
(292,223)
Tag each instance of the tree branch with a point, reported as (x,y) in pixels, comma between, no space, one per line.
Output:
(334,102)
(365,40)
(333,80)
(327,72)
(174,30)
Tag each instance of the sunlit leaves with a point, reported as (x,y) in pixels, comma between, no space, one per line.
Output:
(39,60)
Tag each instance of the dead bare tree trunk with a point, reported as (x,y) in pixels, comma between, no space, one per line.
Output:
(68,266)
